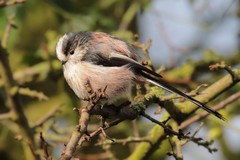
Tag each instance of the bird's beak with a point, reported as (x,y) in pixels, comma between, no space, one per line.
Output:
(63,62)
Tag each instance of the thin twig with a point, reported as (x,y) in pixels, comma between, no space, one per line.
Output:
(19,137)
(14,103)
(223,65)
(166,128)
(29,92)
(99,130)
(200,141)
(175,96)
(44,147)
(126,141)
(10,25)
(47,116)
(197,130)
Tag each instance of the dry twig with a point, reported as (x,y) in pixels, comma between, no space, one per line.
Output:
(167,129)
(44,146)
(47,116)
(14,103)
(81,128)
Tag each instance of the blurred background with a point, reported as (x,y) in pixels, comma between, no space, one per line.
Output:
(187,36)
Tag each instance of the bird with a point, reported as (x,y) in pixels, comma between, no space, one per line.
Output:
(105,60)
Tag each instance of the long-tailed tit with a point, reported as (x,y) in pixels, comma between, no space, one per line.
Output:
(105,60)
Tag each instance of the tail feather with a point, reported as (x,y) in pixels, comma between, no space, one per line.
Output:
(164,85)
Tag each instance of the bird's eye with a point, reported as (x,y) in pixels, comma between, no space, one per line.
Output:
(72,52)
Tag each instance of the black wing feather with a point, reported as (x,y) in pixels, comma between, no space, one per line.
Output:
(115,60)
(97,59)
(119,59)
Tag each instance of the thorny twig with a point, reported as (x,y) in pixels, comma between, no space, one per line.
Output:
(200,142)
(10,25)
(105,135)
(145,48)
(223,65)
(81,128)
(44,146)
(99,130)
(29,92)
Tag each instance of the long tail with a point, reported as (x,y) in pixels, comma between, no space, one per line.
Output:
(164,85)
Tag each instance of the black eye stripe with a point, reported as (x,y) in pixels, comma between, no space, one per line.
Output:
(75,40)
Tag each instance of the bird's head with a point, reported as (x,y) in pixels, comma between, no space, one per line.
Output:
(72,46)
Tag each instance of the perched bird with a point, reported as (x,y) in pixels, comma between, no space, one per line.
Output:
(105,60)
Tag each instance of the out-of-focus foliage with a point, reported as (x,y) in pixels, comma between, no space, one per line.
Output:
(32,58)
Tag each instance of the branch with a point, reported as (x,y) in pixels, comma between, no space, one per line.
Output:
(4,3)
(166,128)
(14,103)
(99,130)
(223,65)
(47,116)
(178,154)
(81,128)
(29,145)
(125,141)
(10,25)
(29,92)
(175,141)
(77,139)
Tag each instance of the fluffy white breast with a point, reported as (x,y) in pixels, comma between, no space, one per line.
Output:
(117,79)
(75,77)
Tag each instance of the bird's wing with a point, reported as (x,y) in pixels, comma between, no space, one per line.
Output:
(120,60)
(110,51)
(115,59)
